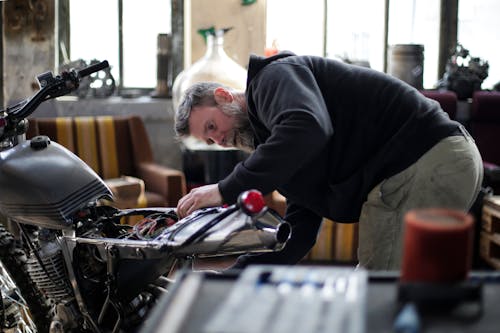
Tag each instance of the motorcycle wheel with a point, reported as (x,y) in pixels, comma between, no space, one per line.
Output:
(24,308)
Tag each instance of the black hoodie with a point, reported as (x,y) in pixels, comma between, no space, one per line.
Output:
(327,132)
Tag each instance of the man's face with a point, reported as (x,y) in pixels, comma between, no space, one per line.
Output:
(211,125)
(228,128)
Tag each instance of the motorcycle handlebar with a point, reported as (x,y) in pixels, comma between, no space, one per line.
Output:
(51,87)
(93,68)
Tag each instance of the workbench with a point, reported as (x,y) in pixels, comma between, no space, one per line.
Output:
(188,308)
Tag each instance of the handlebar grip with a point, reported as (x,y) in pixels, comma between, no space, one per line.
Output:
(93,68)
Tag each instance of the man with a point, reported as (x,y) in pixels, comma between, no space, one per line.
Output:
(338,141)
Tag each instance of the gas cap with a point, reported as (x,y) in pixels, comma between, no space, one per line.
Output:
(40,142)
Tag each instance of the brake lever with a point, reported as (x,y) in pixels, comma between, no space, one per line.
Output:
(60,85)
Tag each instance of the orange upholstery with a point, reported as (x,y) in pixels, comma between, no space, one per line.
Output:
(276,201)
(114,147)
(336,242)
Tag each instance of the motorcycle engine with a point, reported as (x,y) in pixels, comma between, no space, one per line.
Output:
(49,273)
(46,269)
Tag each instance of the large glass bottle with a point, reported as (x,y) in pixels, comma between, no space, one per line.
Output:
(215,65)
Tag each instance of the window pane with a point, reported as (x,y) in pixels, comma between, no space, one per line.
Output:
(295,25)
(94,35)
(412,22)
(478,32)
(356,31)
(94,32)
(142,22)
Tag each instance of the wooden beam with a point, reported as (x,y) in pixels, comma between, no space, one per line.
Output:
(62,33)
(447,33)
(177,19)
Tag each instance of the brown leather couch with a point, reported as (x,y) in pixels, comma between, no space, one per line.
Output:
(116,146)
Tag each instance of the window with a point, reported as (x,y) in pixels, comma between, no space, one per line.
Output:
(355,31)
(417,22)
(296,25)
(352,30)
(345,32)
(478,32)
(94,34)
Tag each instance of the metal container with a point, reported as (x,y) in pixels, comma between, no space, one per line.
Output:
(407,64)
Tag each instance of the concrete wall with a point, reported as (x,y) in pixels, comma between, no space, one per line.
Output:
(28,45)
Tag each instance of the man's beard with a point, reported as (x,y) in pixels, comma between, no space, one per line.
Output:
(243,137)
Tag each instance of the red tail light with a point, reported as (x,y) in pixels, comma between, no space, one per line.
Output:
(252,201)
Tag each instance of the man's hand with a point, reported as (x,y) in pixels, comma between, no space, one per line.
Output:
(199,197)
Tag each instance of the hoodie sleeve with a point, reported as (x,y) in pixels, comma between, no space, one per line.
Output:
(285,101)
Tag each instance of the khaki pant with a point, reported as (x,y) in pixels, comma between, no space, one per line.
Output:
(448,176)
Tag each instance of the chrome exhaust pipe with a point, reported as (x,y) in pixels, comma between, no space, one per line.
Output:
(237,233)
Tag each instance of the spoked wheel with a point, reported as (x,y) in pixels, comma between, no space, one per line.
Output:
(24,309)
(15,313)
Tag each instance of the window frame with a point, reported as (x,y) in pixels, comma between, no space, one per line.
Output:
(447,37)
(177,21)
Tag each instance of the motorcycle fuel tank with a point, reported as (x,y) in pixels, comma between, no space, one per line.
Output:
(43,183)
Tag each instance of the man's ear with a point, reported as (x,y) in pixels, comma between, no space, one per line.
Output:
(222,96)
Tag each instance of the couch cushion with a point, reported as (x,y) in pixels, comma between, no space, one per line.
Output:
(86,142)
(447,99)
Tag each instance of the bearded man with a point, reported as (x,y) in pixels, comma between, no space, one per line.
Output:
(338,141)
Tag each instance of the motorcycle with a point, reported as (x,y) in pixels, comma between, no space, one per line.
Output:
(70,262)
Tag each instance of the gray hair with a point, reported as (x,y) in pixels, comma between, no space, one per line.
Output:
(199,94)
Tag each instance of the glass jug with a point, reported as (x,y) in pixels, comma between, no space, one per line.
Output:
(215,66)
